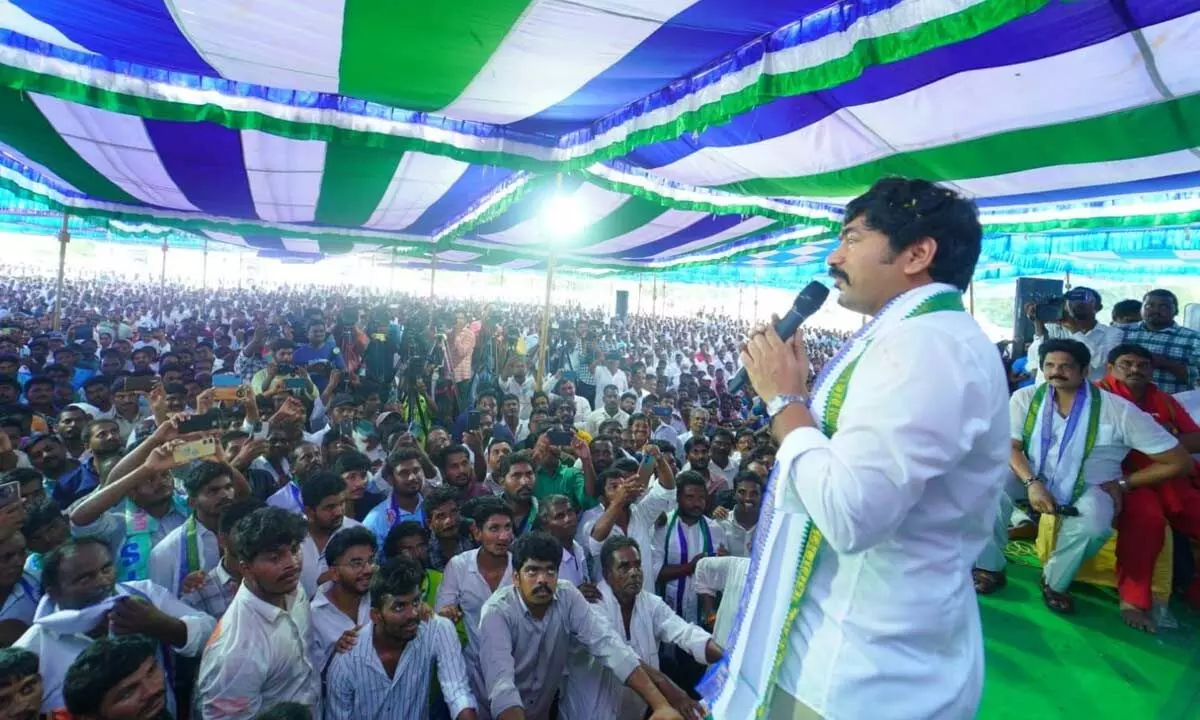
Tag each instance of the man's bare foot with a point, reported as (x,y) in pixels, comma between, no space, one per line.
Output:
(1137,618)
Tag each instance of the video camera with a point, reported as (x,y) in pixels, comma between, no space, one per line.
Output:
(1050,309)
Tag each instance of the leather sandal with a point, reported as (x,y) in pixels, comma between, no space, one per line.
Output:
(988,582)
(1061,603)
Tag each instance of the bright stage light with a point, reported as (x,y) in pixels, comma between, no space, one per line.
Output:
(561,217)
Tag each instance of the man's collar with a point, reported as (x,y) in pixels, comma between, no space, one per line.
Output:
(264,609)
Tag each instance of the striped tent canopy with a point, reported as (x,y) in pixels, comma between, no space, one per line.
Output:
(686,133)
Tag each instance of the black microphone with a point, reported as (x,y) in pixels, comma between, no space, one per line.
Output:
(806,303)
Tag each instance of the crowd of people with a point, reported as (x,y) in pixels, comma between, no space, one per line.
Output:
(319,502)
(245,503)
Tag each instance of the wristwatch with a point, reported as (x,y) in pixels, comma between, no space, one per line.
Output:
(776,404)
(1123,483)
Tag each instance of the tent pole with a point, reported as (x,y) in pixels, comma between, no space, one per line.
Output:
(639,297)
(162,282)
(204,274)
(653,296)
(432,273)
(544,337)
(755,318)
(740,288)
(971,298)
(64,237)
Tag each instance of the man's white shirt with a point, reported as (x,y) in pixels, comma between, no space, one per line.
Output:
(904,495)
(237,684)
(168,556)
(591,690)
(1123,427)
(57,650)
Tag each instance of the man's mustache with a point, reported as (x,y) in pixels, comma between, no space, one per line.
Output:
(838,274)
(1057,377)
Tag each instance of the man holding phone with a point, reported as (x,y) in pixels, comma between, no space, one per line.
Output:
(282,374)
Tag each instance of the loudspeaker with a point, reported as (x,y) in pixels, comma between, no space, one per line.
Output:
(622,303)
(1030,290)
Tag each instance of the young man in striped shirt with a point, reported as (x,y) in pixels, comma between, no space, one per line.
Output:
(388,671)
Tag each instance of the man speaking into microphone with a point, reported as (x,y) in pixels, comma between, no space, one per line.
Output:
(859,601)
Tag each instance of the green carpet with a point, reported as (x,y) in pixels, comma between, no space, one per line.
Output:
(1041,666)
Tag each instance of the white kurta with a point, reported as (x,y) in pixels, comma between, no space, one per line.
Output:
(592,692)
(904,494)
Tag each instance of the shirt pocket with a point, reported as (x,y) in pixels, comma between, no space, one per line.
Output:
(1106,434)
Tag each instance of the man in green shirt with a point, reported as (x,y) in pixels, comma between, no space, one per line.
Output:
(556,477)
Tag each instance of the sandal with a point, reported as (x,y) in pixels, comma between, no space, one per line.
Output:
(988,582)
(1060,603)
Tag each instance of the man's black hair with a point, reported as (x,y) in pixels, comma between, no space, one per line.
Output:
(16,664)
(234,512)
(266,529)
(536,545)
(695,440)
(487,507)
(408,528)
(320,485)
(343,540)
(394,458)
(1129,349)
(689,477)
(610,547)
(1126,308)
(747,476)
(907,210)
(52,561)
(397,577)
(352,461)
(40,516)
(722,432)
(201,474)
(440,495)
(1077,350)
(444,455)
(1165,294)
(100,667)
(518,458)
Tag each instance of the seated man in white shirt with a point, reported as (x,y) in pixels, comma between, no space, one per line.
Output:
(388,671)
(117,678)
(740,522)
(557,516)
(259,657)
(1068,441)
(632,505)
(644,621)
(84,602)
(528,628)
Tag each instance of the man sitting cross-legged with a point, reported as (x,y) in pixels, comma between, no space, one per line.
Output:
(1068,441)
